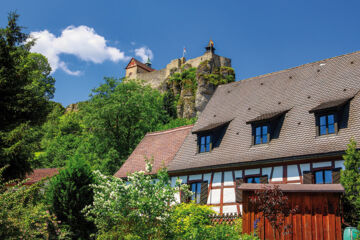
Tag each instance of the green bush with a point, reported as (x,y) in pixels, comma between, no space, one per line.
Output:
(224,232)
(69,192)
(191,221)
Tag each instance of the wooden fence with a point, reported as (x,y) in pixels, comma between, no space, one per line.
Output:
(318,218)
(227,218)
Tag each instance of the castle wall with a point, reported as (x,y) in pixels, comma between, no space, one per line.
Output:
(155,78)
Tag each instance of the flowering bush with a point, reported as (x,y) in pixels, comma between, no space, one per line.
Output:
(137,209)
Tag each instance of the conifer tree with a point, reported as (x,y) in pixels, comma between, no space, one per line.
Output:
(69,192)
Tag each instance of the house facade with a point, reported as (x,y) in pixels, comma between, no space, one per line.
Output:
(288,127)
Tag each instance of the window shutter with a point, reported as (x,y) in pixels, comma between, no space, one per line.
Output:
(204,193)
(264,179)
(307,177)
(239,193)
(336,175)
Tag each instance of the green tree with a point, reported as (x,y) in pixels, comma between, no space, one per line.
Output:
(136,209)
(350,179)
(116,118)
(63,134)
(69,192)
(24,95)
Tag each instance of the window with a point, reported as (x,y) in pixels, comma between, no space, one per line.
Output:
(253,180)
(261,134)
(196,189)
(323,177)
(327,124)
(205,143)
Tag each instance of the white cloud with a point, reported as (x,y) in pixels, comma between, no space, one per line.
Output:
(82,42)
(144,53)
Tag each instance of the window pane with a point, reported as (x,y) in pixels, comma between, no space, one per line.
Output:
(207,147)
(331,128)
(328,176)
(250,180)
(264,130)
(198,188)
(256,180)
(264,139)
(193,189)
(319,177)
(322,130)
(208,139)
(202,148)
(198,198)
(323,120)
(258,140)
(202,140)
(258,131)
(331,119)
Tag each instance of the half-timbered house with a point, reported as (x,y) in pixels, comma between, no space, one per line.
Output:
(288,127)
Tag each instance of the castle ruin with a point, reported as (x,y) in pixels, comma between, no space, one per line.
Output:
(211,70)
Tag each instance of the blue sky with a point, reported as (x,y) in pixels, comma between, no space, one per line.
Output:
(88,40)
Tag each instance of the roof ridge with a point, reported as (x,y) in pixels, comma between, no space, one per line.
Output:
(169,130)
(288,69)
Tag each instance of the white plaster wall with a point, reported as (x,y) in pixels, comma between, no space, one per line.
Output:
(277,174)
(292,173)
(229,195)
(252,171)
(216,209)
(228,178)
(238,174)
(230,209)
(217,179)
(195,177)
(322,164)
(340,164)
(214,196)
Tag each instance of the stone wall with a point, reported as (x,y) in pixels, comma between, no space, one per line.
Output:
(191,103)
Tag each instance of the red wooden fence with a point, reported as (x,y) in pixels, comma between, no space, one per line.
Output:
(318,216)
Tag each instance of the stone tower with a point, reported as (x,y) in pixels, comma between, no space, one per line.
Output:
(211,70)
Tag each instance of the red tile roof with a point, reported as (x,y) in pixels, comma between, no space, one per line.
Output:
(39,174)
(162,146)
(133,62)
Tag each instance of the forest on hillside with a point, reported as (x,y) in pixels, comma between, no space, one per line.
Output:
(36,132)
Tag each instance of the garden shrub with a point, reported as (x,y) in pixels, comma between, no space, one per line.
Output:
(69,192)
(191,221)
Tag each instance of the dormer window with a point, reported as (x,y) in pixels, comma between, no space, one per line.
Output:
(266,127)
(261,134)
(331,116)
(327,124)
(209,137)
(205,143)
